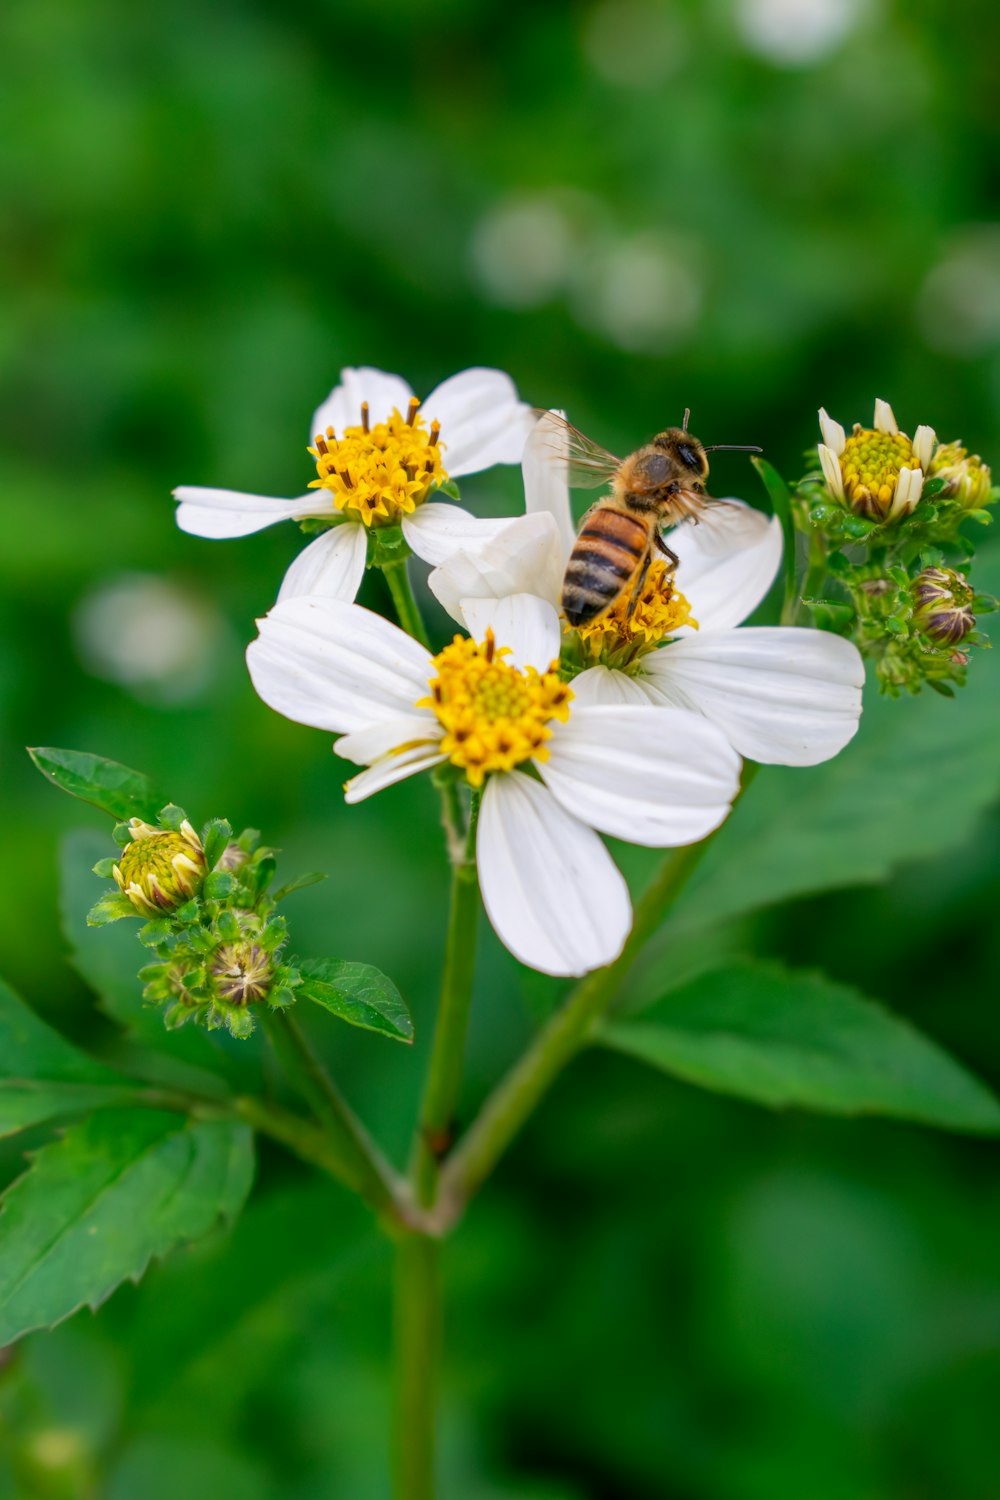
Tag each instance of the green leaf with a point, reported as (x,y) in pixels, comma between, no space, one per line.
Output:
(114,788)
(781,500)
(912,784)
(43,1076)
(780,1038)
(97,1205)
(358,994)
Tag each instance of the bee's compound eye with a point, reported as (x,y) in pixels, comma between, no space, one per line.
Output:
(654,468)
(689,457)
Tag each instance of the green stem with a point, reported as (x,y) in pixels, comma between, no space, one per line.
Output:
(396,575)
(571,1028)
(444,1078)
(815,573)
(361,1165)
(417,1334)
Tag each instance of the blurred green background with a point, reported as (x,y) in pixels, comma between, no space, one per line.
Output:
(750,207)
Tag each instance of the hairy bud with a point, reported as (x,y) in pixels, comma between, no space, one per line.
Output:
(943,605)
(160,869)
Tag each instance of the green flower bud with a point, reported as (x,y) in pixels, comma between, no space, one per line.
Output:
(965,475)
(160,869)
(943,605)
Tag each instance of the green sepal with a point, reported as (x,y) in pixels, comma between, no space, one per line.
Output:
(114,788)
(218,885)
(121,835)
(228,927)
(215,836)
(314,525)
(105,868)
(249,839)
(299,884)
(112,907)
(831,615)
(171,816)
(932,487)
(263,872)
(386,544)
(155,932)
(449,488)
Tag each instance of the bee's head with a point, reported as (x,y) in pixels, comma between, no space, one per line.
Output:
(685,450)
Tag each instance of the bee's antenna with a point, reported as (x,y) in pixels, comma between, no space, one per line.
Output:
(687,417)
(731,448)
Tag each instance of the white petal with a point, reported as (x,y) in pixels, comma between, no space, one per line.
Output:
(834,435)
(909,488)
(223,513)
(435,531)
(727,565)
(336,666)
(389,770)
(831,471)
(528,626)
(412,731)
(549,886)
(782,695)
(885,420)
(482,421)
(331,567)
(653,776)
(924,440)
(342,408)
(546,478)
(525,556)
(604,685)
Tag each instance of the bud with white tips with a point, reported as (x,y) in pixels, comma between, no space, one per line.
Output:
(160,868)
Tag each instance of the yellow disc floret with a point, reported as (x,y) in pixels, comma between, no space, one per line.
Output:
(160,869)
(494,715)
(383,472)
(636,624)
(870,465)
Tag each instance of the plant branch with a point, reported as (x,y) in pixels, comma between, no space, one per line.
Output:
(396,575)
(361,1165)
(417,1337)
(569,1030)
(444,1077)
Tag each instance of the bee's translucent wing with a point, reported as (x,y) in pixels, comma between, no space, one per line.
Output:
(716,517)
(586,464)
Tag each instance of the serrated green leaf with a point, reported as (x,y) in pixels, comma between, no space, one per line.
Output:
(42,1076)
(780,1038)
(358,994)
(114,788)
(97,1205)
(912,784)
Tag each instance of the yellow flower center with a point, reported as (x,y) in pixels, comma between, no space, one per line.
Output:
(159,871)
(494,715)
(382,472)
(870,465)
(632,627)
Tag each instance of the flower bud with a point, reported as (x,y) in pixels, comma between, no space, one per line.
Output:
(943,605)
(966,477)
(241,972)
(160,869)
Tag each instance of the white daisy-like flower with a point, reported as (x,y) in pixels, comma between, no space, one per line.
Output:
(555,771)
(380,454)
(782,695)
(876,472)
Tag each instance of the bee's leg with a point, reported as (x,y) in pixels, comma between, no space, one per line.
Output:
(638,585)
(671,557)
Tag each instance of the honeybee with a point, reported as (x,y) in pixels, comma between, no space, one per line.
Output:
(660,485)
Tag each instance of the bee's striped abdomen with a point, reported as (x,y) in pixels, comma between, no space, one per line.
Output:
(606,556)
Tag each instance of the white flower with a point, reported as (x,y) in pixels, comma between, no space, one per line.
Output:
(379,454)
(782,695)
(877,471)
(494,707)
